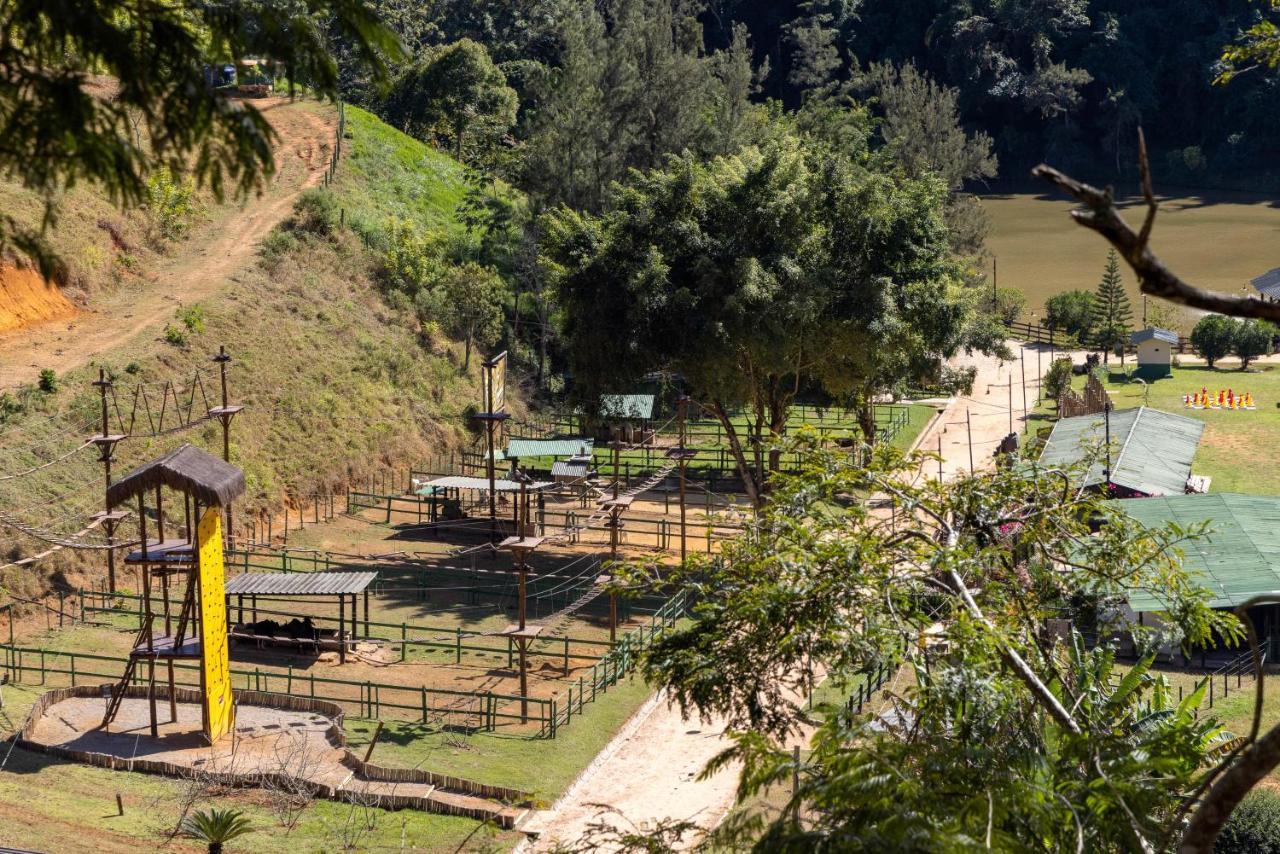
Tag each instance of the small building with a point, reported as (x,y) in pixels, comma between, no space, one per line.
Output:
(1155,352)
(1238,560)
(1151,451)
(1268,284)
(574,470)
(626,417)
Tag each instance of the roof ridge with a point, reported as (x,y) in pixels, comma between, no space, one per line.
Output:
(1133,428)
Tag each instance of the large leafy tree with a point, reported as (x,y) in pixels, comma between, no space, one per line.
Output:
(753,275)
(996,732)
(1070,312)
(455,92)
(77,78)
(1214,336)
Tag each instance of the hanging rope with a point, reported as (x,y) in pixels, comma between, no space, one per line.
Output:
(52,462)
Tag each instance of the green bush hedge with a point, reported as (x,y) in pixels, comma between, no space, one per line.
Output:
(1254,828)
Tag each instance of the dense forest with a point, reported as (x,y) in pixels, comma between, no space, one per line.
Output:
(1066,81)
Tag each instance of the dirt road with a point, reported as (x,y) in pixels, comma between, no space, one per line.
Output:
(196,269)
(648,772)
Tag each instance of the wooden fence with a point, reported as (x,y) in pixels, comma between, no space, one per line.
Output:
(1046,335)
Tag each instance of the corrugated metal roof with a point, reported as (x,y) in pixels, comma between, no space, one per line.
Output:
(635,406)
(1268,284)
(570,468)
(299,583)
(1240,559)
(1165,335)
(526,448)
(1152,450)
(460,482)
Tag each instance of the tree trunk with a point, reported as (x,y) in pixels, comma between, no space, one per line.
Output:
(867,420)
(466,359)
(735,447)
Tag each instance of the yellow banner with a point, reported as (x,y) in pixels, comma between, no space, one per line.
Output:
(219,712)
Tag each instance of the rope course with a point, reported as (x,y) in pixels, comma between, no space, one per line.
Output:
(52,462)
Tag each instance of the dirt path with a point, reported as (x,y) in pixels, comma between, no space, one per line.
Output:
(198,268)
(648,772)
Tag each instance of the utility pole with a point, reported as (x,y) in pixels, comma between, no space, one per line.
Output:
(968,423)
(682,406)
(224,414)
(1023,352)
(106,443)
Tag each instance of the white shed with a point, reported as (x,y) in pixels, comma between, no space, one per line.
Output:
(1155,352)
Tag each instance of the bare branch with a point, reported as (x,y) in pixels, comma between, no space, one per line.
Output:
(1154,278)
(1147,193)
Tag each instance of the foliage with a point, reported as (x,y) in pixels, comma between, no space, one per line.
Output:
(1253,338)
(998,734)
(470,305)
(315,212)
(1214,336)
(215,827)
(1254,828)
(48,382)
(1070,312)
(192,318)
(454,92)
(414,259)
(630,86)
(171,203)
(174,335)
(61,127)
(1256,47)
(1058,378)
(755,274)
(1112,314)
(1010,303)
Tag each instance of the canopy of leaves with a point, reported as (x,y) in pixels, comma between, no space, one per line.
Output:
(1214,336)
(996,733)
(77,78)
(1070,312)
(1253,338)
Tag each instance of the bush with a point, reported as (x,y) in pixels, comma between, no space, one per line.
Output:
(133,368)
(1010,303)
(1253,339)
(9,406)
(48,381)
(1254,828)
(171,203)
(1070,312)
(174,335)
(275,247)
(1214,336)
(316,212)
(192,317)
(1058,378)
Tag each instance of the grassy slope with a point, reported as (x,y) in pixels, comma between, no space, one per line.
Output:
(335,383)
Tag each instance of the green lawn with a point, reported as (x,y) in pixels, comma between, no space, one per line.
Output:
(1232,440)
(544,767)
(1217,240)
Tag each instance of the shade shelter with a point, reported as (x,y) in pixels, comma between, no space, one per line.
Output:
(1154,348)
(1237,560)
(192,559)
(628,417)
(1268,284)
(1150,451)
(342,586)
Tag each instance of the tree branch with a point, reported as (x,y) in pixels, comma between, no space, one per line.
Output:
(1154,278)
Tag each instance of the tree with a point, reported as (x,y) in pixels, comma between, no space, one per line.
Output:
(457,92)
(471,301)
(1214,336)
(920,126)
(1111,310)
(751,276)
(1058,378)
(62,124)
(1010,303)
(1070,312)
(1253,338)
(215,827)
(998,734)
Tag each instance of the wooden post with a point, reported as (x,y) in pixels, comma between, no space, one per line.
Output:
(968,423)
(373,741)
(342,623)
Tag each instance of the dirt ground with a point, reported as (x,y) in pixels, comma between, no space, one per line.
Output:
(196,269)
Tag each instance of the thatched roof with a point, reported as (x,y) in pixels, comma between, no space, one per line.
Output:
(188,469)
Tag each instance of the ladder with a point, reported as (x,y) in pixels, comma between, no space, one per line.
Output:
(131,664)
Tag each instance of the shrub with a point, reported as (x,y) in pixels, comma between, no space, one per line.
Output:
(192,318)
(174,335)
(316,212)
(48,381)
(1214,336)
(1070,312)
(9,406)
(1254,827)
(1253,339)
(133,368)
(1058,378)
(275,247)
(171,203)
(1010,303)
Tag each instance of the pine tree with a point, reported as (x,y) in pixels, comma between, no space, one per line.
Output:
(1112,312)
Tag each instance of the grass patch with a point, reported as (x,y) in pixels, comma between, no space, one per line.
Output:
(1218,240)
(544,767)
(76,811)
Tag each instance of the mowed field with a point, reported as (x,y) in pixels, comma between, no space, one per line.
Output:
(1218,240)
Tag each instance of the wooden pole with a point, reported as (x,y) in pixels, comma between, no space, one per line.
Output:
(682,405)
(342,625)
(968,422)
(1023,352)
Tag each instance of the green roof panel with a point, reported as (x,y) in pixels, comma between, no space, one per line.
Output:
(637,407)
(1152,450)
(528,448)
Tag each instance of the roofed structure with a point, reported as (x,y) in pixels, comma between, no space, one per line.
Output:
(1268,284)
(1151,454)
(525,448)
(1238,560)
(480,483)
(299,583)
(634,407)
(1155,333)
(211,481)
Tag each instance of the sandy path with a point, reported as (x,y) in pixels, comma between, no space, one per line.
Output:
(197,268)
(648,772)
